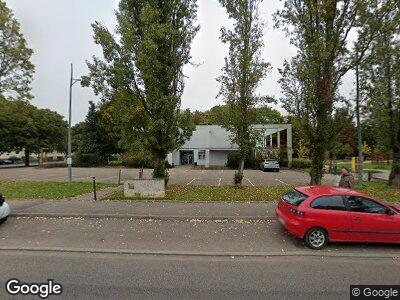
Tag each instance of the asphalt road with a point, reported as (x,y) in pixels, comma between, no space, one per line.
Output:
(198,236)
(179,175)
(99,276)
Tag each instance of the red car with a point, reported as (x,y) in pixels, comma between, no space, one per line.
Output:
(319,214)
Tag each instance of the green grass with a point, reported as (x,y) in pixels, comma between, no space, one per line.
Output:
(46,190)
(215,193)
(367,165)
(381,191)
(229,193)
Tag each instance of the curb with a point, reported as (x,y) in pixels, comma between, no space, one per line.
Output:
(139,217)
(204,254)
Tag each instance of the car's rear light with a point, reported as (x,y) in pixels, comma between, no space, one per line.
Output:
(297,212)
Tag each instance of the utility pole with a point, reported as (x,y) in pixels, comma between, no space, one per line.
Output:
(359,133)
(69,159)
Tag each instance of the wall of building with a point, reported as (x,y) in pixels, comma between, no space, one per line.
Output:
(218,158)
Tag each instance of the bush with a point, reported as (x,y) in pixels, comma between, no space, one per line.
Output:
(237,178)
(234,159)
(301,163)
(86,160)
(139,159)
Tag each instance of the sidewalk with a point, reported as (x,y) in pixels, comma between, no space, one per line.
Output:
(143,209)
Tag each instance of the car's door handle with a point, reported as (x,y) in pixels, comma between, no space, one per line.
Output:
(357,219)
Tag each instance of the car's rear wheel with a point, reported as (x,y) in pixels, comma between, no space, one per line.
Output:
(3,220)
(316,238)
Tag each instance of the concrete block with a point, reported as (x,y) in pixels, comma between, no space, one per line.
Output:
(149,188)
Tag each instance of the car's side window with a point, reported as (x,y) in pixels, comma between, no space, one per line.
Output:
(329,202)
(359,204)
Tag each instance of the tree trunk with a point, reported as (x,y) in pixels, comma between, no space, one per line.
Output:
(360,165)
(317,164)
(394,178)
(160,170)
(240,172)
(27,160)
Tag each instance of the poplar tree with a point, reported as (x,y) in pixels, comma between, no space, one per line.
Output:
(142,70)
(242,74)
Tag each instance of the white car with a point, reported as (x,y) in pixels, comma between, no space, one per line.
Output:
(270,165)
(4,210)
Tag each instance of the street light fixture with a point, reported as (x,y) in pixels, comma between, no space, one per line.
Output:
(69,159)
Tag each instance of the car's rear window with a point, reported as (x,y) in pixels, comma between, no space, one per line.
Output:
(294,197)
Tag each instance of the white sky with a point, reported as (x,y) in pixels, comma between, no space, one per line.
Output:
(59,32)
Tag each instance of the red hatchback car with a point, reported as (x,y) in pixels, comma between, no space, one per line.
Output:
(319,214)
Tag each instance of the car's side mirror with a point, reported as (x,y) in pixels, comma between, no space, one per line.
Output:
(389,212)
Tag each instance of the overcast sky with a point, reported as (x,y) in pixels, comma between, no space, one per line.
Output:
(59,32)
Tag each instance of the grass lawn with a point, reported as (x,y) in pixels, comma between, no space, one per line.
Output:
(46,190)
(215,193)
(381,191)
(229,193)
(367,165)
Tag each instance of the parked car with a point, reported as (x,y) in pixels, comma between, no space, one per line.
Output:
(319,214)
(270,165)
(6,161)
(4,209)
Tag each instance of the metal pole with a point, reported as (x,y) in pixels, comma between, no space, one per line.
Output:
(94,189)
(360,168)
(69,159)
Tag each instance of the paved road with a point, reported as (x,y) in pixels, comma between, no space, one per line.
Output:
(197,236)
(99,276)
(179,175)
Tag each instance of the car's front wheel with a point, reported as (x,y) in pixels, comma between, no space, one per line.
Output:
(316,238)
(3,220)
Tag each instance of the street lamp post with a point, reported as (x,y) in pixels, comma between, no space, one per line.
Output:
(69,159)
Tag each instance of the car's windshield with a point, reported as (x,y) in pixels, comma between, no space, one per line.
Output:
(294,197)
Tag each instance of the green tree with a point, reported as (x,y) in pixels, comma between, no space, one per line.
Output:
(16,70)
(91,150)
(381,84)
(27,128)
(243,71)
(143,70)
(320,30)
(267,115)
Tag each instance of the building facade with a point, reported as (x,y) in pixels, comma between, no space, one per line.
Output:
(210,145)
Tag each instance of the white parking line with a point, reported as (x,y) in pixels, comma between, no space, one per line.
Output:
(222,171)
(219,182)
(190,182)
(250,182)
(280,181)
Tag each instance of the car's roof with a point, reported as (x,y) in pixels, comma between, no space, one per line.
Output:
(324,190)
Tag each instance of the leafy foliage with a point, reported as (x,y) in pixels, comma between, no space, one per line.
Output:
(27,128)
(320,30)
(243,71)
(381,88)
(142,72)
(92,149)
(16,70)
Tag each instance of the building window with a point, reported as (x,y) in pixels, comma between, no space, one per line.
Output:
(202,154)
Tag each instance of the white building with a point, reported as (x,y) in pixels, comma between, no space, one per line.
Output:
(211,144)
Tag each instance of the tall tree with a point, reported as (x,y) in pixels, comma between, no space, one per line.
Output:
(16,69)
(27,128)
(92,149)
(381,85)
(243,71)
(143,68)
(320,29)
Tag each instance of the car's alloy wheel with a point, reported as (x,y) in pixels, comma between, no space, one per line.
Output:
(316,238)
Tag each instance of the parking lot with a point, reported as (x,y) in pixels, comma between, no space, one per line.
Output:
(179,175)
